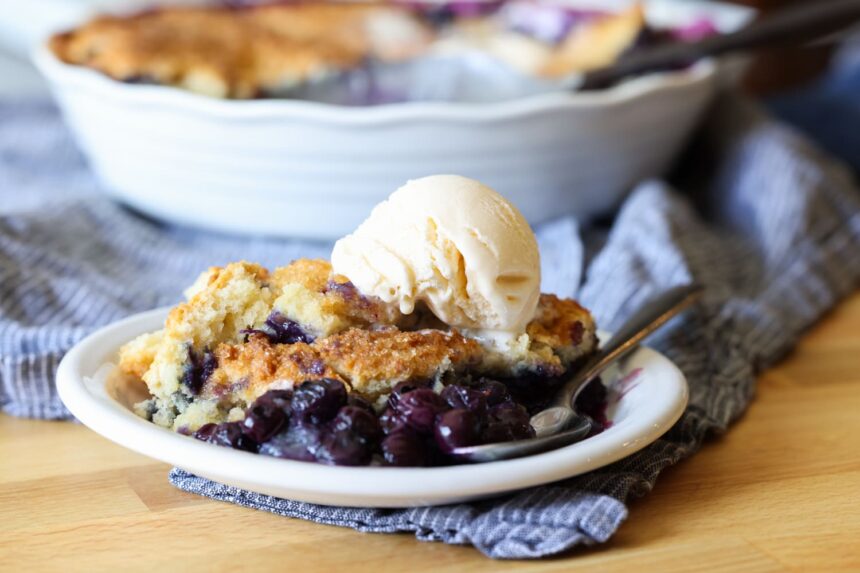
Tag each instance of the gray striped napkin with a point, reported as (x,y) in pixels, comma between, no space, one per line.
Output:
(770,226)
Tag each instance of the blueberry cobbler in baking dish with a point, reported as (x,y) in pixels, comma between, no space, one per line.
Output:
(426,331)
(247,50)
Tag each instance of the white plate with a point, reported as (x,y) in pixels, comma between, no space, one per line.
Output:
(647,396)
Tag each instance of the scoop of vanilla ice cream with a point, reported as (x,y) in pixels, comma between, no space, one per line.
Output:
(453,243)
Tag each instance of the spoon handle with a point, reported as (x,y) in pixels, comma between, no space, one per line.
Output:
(793,24)
(651,316)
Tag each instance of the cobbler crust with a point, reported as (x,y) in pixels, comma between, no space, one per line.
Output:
(563,325)
(597,45)
(245,371)
(333,304)
(236,53)
(374,361)
(267,50)
(215,354)
(369,362)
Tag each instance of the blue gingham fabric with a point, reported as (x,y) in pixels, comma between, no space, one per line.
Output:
(767,223)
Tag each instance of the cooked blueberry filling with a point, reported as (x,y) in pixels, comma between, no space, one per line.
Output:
(359,402)
(267,415)
(534,391)
(506,422)
(281,330)
(404,448)
(418,409)
(457,428)
(198,370)
(318,401)
(319,421)
(351,438)
(592,402)
(299,441)
(228,434)
(324,425)
(465,398)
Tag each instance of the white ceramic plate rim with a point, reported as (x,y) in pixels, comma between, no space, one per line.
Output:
(364,116)
(353,486)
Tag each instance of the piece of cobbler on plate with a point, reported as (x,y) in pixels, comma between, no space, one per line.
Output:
(439,337)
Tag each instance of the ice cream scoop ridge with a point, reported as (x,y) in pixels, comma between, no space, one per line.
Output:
(455,245)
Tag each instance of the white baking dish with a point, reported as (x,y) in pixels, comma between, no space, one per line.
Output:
(297,168)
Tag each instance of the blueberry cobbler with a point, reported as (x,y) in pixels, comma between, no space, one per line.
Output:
(247,50)
(425,332)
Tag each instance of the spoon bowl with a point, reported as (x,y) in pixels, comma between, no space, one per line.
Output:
(578,429)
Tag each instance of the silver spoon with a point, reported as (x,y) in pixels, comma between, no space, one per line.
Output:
(559,425)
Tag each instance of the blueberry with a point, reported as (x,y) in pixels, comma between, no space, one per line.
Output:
(534,390)
(355,400)
(278,398)
(205,431)
(281,330)
(300,441)
(227,434)
(263,420)
(343,447)
(457,428)
(358,421)
(494,392)
(507,422)
(404,448)
(198,370)
(418,409)
(318,400)
(285,331)
(404,387)
(465,397)
(390,422)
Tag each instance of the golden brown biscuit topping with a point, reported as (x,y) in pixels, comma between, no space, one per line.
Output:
(245,330)
(268,50)
(224,52)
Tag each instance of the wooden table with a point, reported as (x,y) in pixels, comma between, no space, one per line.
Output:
(781,491)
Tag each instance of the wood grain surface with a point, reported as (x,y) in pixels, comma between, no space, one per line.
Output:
(779,492)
